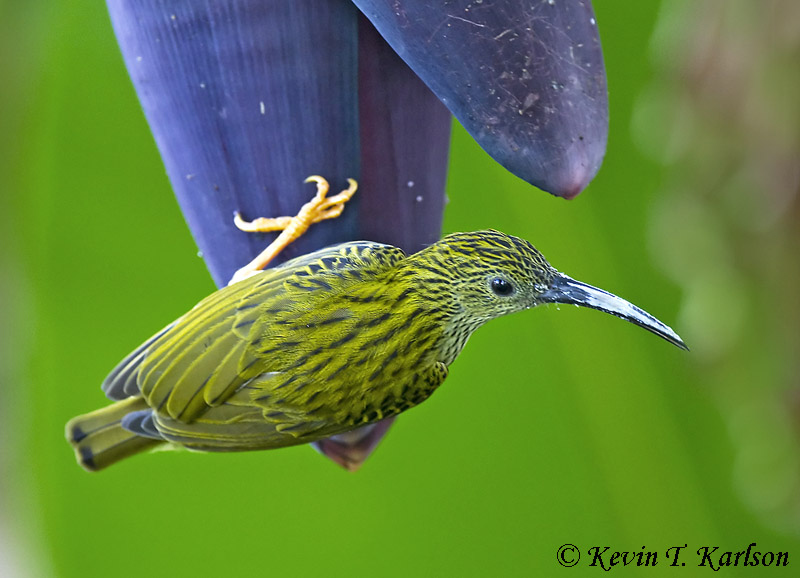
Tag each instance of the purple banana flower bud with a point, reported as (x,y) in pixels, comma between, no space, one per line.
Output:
(246,98)
(526,79)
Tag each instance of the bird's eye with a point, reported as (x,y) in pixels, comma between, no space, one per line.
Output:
(502,287)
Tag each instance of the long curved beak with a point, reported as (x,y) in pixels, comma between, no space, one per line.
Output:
(566,290)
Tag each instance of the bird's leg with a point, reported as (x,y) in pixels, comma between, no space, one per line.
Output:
(317,209)
(261,224)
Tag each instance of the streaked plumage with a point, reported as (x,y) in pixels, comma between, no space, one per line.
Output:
(323,344)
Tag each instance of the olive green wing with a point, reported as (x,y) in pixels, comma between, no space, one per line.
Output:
(248,420)
(203,358)
(171,348)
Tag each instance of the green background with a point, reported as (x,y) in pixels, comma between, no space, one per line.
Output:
(555,426)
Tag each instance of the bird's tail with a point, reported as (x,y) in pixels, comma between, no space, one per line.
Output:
(99,438)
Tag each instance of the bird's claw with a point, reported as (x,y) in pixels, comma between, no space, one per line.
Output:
(317,209)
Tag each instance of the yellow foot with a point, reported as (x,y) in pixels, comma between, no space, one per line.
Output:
(317,209)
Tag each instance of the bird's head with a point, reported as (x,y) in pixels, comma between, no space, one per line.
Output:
(493,274)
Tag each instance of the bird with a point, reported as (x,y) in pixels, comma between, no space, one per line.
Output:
(322,344)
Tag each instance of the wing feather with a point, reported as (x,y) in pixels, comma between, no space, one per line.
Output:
(121,383)
(195,372)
